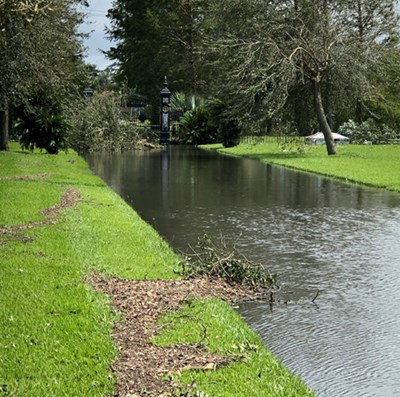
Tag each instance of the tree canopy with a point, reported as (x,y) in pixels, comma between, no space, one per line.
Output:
(41,54)
(272,61)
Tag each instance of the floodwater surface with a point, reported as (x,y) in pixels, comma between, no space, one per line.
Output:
(316,234)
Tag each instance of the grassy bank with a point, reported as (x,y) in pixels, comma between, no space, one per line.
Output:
(54,328)
(372,165)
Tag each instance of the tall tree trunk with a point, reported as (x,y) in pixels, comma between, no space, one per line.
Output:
(323,123)
(4,126)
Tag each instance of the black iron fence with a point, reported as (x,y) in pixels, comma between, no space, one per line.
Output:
(254,139)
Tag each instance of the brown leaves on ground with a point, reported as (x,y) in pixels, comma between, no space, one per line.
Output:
(141,365)
(68,200)
(25,177)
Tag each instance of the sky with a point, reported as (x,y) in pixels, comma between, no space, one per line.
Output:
(96,21)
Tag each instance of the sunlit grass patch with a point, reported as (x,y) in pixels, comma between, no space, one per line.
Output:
(23,201)
(55,331)
(60,169)
(255,373)
(372,165)
(116,240)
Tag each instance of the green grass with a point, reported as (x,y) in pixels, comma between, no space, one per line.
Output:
(55,331)
(372,165)
(256,374)
(15,211)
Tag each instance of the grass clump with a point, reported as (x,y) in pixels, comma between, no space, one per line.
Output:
(371,165)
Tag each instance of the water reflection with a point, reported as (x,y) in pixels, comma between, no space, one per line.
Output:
(314,232)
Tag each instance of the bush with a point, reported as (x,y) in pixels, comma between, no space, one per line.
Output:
(198,129)
(205,121)
(98,124)
(368,131)
(42,127)
(230,132)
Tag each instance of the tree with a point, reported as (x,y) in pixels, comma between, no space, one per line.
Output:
(383,104)
(372,27)
(157,38)
(41,55)
(266,48)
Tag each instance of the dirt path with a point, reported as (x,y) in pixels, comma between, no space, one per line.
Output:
(68,200)
(140,364)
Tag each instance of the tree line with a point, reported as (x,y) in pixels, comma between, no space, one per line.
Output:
(266,66)
(277,65)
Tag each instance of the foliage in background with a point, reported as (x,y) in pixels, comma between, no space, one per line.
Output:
(98,124)
(41,51)
(204,121)
(230,132)
(157,38)
(384,102)
(197,129)
(40,123)
(192,119)
(368,131)
(277,47)
(269,60)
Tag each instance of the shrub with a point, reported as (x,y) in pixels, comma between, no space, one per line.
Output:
(368,131)
(42,127)
(98,124)
(198,129)
(205,121)
(230,132)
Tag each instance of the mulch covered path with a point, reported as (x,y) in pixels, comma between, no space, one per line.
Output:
(140,365)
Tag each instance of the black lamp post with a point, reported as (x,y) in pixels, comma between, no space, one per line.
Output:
(165,99)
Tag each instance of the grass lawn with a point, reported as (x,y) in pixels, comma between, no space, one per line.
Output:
(55,330)
(372,165)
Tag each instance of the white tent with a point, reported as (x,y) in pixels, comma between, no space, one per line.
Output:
(319,139)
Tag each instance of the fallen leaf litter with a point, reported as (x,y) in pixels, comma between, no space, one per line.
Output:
(68,200)
(141,366)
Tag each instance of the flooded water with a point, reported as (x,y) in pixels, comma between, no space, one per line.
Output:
(315,233)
